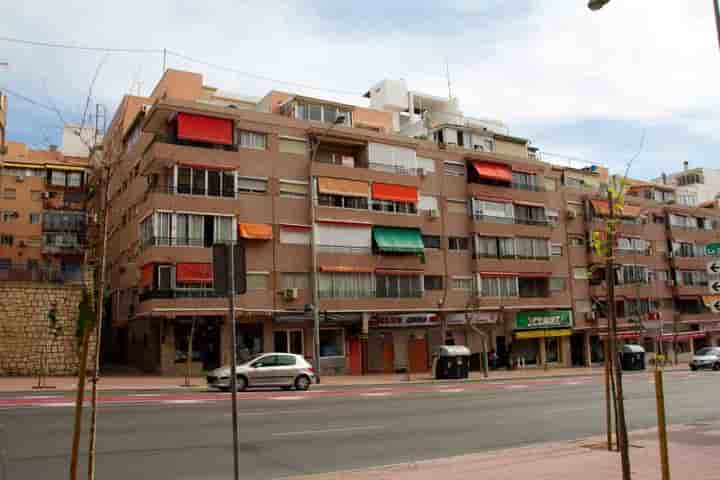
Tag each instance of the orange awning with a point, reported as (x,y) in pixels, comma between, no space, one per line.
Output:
(194,272)
(146,275)
(255,231)
(493,171)
(347,188)
(395,193)
(344,269)
(602,208)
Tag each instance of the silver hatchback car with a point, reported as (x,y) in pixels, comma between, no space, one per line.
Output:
(285,370)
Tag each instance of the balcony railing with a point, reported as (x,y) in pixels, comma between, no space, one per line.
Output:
(342,249)
(525,186)
(381,167)
(23,273)
(62,248)
(511,220)
(173,242)
(188,190)
(178,293)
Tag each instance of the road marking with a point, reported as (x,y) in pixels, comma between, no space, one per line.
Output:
(515,387)
(146,394)
(573,383)
(34,397)
(450,390)
(329,430)
(182,402)
(274,412)
(380,388)
(58,404)
(376,394)
(293,397)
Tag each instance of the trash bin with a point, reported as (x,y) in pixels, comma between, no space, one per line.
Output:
(632,357)
(451,361)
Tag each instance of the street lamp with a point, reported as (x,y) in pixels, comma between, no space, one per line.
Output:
(597,4)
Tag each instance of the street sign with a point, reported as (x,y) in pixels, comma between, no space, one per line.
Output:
(712,249)
(715,286)
(714,267)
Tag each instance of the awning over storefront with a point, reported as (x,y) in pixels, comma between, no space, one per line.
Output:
(559,332)
(493,171)
(346,188)
(146,275)
(394,193)
(682,336)
(22,165)
(202,128)
(398,240)
(602,208)
(255,231)
(69,168)
(543,319)
(194,272)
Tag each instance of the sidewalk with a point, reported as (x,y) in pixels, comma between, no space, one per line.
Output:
(154,382)
(692,450)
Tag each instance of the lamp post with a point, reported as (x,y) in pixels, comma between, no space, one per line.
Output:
(315,307)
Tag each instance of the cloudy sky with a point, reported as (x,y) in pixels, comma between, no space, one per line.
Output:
(639,76)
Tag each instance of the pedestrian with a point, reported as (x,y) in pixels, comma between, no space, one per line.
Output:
(493,357)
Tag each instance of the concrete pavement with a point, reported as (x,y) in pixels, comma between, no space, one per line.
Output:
(285,434)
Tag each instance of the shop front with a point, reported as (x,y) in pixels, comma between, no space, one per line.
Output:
(541,337)
(402,342)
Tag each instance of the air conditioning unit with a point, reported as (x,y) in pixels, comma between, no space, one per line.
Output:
(571,214)
(20,178)
(290,294)
(433,213)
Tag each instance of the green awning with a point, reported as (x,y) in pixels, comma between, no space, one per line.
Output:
(398,240)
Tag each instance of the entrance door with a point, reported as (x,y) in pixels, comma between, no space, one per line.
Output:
(501,351)
(355,357)
(417,354)
(388,353)
(577,349)
(210,347)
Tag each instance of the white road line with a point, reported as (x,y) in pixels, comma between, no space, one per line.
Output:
(381,388)
(329,430)
(147,394)
(294,397)
(451,390)
(573,383)
(33,397)
(376,394)
(182,402)
(274,412)
(57,404)
(515,387)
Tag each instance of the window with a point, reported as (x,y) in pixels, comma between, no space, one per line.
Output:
(35,195)
(634,274)
(556,249)
(427,164)
(74,179)
(692,277)
(332,342)
(533,287)
(257,280)
(34,218)
(431,241)
(388,206)
(658,219)
(339,201)
(531,248)
(9,216)
(524,180)
(581,273)
(252,185)
(346,285)
(553,216)
(57,178)
(295,235)
(457,243)
(575,207)
(6,239)
(633,244)
(288,341)
(189,229)
(296,147)
(389,158)
(462,283)
(495,247)
(573,182)
(287,360)
(214,180)
(198,181)
(550,184)
(296,280)
(662,275)
(182,337)
(294,189)
(427,203)
(690,179)
(530,215)
(498,287)
(558,284)
(398,286)
(457,206)
(455,169)
(494,211)
(254,140)
(639,306)
(433,282)
(184,181)
(575,241)
(583,306)
(9,194)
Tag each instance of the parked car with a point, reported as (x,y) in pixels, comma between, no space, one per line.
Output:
(285,370)
(708,357)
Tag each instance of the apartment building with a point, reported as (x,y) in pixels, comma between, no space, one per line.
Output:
(42,214)
(3,120)
(456,233)
(693,186)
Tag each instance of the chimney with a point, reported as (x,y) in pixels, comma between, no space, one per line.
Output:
(685,165)
(52,148)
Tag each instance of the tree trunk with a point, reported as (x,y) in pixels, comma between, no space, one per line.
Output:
(79,398)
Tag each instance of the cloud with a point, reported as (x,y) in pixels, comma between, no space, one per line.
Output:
(551,70)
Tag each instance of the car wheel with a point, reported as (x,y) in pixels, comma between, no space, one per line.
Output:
(241,383)
(302,382)
(694,369)
(287,387)
(716,366)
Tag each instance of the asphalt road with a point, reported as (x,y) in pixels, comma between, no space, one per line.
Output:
(293,433)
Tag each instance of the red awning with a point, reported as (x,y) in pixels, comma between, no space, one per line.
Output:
(395,193)
(529,204)
(344,269)
(529,170)
(345,223)
(146,275)
(194,272)
(493,171)
(202,128)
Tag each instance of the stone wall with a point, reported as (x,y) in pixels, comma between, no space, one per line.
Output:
(24,332)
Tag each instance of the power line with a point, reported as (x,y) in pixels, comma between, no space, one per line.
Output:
(29,100)
(78,47)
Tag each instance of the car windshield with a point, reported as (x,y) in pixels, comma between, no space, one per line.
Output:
(253,358)
(707,351)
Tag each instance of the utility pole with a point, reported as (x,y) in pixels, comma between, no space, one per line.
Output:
(716,5)
(233,356)
(620,403)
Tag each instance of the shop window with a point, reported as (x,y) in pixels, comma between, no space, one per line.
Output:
(182,337)
(288,341)
(332,342)
(552,349)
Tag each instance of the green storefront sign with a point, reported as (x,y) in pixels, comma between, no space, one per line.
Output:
(543,319)
(712,249)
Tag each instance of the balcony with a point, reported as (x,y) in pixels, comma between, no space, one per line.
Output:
(511,220)
(174,242)
(68,248)
(178,293)
(23,273)
(187,190)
